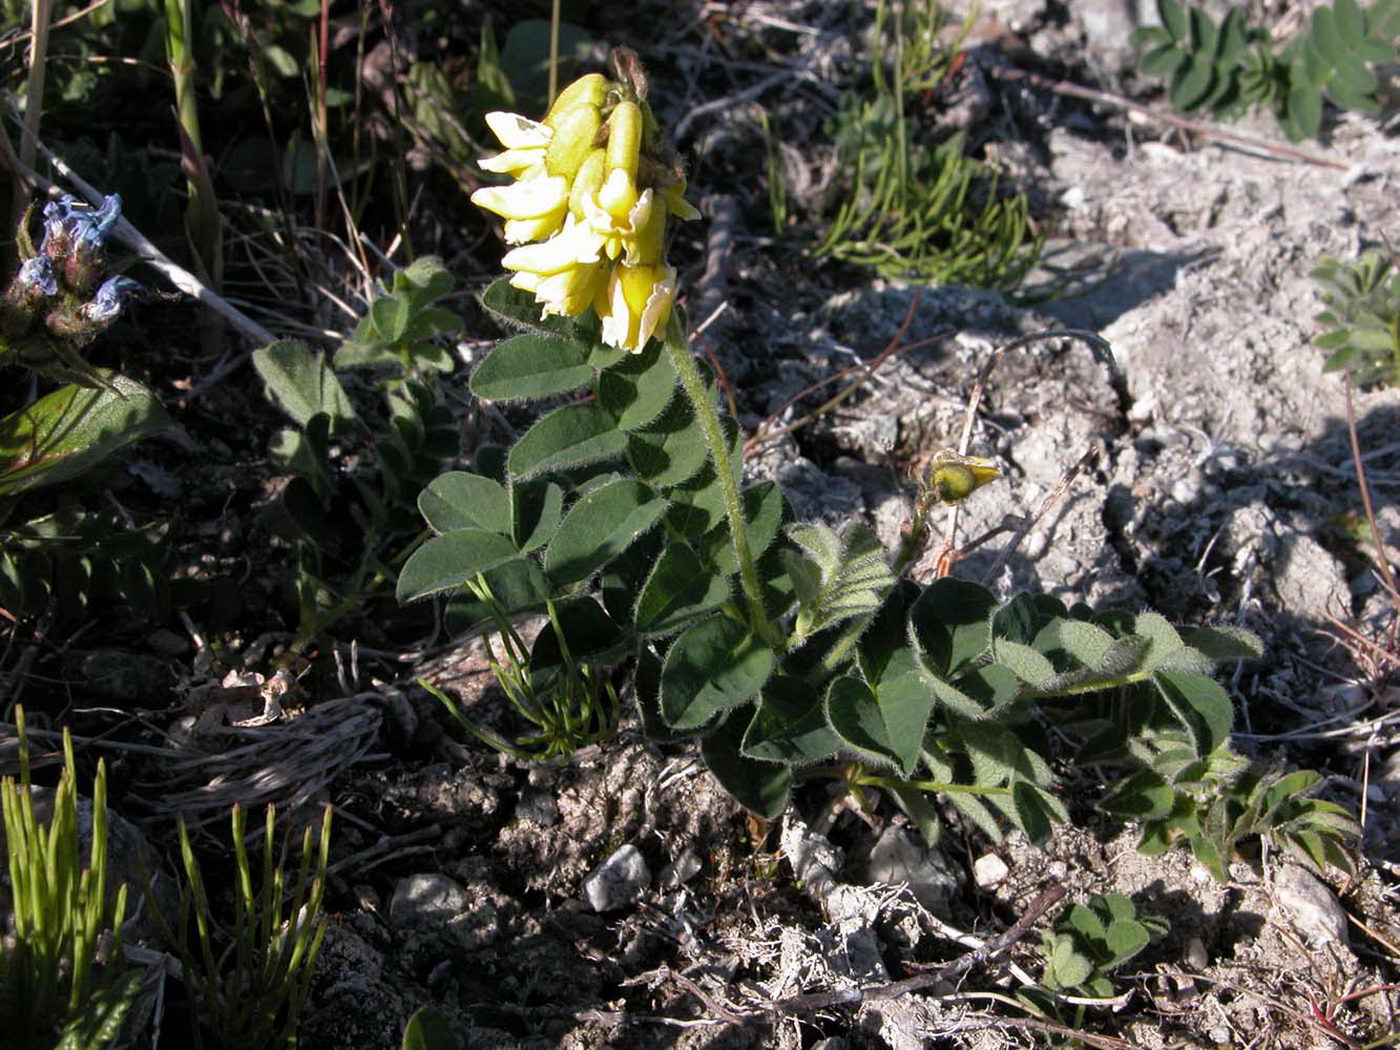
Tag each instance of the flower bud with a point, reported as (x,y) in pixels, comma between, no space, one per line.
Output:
(625,138)
(589,90)
(953,478)
(587,182)
(574,135)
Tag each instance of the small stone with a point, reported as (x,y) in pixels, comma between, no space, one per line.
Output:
(989,871)
(618,881)
(679,871)
(896,857)
(1310,906)
(538,807)
(1194,955)
(425,899)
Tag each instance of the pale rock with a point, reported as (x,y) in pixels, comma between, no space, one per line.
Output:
(1310,906)
(989,871)
(618,881)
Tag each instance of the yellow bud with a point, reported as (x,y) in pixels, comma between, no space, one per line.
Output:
(588,180)
(589,90)
(625,138)
(574,132)
(953,477)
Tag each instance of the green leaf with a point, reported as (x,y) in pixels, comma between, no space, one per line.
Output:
(1304,111)
(1219,644)
(68,432)
(1125,939)
(1067,968)
(588,632)
(529,367)
(1326,38)
(671,449)
(1200,704)
(885,723)
(568,437)
(599,527)
(1204,32)
(790,725)
(517,586)
(1027,664)
(1193,82)
(517,309)
(1173,18)
(450,560)
(459,500)
(679,589)
(1163,639)
(1086,643)
(712,667)
(1142,796)
(950,624)
(764,509)
(761,787)
(1162,61)
(839,576)
(299,382)
(639,388)
(428,1030)
(536,509)
(1349,22)
(980,692)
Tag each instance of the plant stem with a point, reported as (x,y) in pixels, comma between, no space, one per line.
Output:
(694,386)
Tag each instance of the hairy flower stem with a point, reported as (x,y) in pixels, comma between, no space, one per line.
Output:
(694,386)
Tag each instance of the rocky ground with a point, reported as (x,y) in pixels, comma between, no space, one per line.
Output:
(1202,467)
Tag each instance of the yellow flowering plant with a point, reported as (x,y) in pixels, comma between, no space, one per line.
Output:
(789,648)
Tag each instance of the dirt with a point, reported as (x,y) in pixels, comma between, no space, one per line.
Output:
(1196,461)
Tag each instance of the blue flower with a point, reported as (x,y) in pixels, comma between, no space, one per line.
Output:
(70,224)
(36,277)
(104,307)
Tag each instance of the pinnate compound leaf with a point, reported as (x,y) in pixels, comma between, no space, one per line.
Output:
(1201,704)
(461,500)
(300,383)
(446,562)
(568,437)
(679,589)
(714,666)
(599,527)
(760,787)
(836,576)
(529,367)
(68,432)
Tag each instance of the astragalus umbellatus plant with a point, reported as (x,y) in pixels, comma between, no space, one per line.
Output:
(790,649)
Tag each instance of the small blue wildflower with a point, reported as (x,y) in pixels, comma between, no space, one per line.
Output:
(36,277)
(107,303)
(69,223)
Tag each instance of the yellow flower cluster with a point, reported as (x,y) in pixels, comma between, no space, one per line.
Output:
(588,209)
